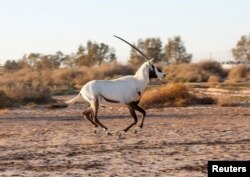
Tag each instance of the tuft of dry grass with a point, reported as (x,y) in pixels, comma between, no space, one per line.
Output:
(3,111)
(175,94)
(225,101)
(213,80)
(238,74)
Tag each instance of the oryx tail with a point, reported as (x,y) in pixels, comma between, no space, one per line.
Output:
(73,100)
(64,105)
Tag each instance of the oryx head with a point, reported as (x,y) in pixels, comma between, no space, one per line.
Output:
(154,72)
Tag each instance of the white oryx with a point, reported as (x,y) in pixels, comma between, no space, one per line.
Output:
(125,90)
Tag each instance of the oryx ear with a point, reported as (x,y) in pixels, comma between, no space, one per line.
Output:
(151,60)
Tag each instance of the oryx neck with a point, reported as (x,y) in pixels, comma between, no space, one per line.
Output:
(142,74)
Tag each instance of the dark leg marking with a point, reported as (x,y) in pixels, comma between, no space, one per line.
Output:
(95,110)
(86,114)
(109,100)
(138,108)
(132,113)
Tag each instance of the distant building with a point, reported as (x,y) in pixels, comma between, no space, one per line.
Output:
(230,64)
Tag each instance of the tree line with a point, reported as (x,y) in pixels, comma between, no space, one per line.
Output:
(94,53)
(91,54)
(173,52)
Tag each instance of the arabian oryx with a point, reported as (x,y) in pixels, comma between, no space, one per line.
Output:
(125,90)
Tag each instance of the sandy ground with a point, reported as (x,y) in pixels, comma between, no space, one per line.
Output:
(174,142)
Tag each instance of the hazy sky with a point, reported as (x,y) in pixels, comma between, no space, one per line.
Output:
(47,26)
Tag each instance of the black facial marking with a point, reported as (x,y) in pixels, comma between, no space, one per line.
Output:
(152,73)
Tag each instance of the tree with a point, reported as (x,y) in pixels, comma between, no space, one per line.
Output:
(92,50)
(11,65)
(175,51)
(135,58)
(69,60)
(242,49)
(56,59)
(111,57)
(44,62)
(23,62)
(80,58)
(33,59)
(102,51)
(151,47)
(94,54)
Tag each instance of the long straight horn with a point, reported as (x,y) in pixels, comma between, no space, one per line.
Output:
(147,59)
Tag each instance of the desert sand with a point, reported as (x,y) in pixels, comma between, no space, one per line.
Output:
(174,142)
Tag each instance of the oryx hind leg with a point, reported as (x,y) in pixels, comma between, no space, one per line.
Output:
(87,114)
(95,107)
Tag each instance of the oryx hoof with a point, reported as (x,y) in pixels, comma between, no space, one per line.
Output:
(95,130)
(121,133)
(108,132)
(137,129)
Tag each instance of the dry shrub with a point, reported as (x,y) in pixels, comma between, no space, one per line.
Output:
(194,72)
(183,73)
(66,78)
(111,70)
(25,86)
(212,67)
(70,77)
(225,101)
(175,94)
(5,101)
(3,111)
(239,74)
(24,94)
(27,77)
(203,100)
(30,85)
(213,80)
(77,77)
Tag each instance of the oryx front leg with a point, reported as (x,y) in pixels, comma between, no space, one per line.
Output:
(138,108)
(133,114)
(95,107)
